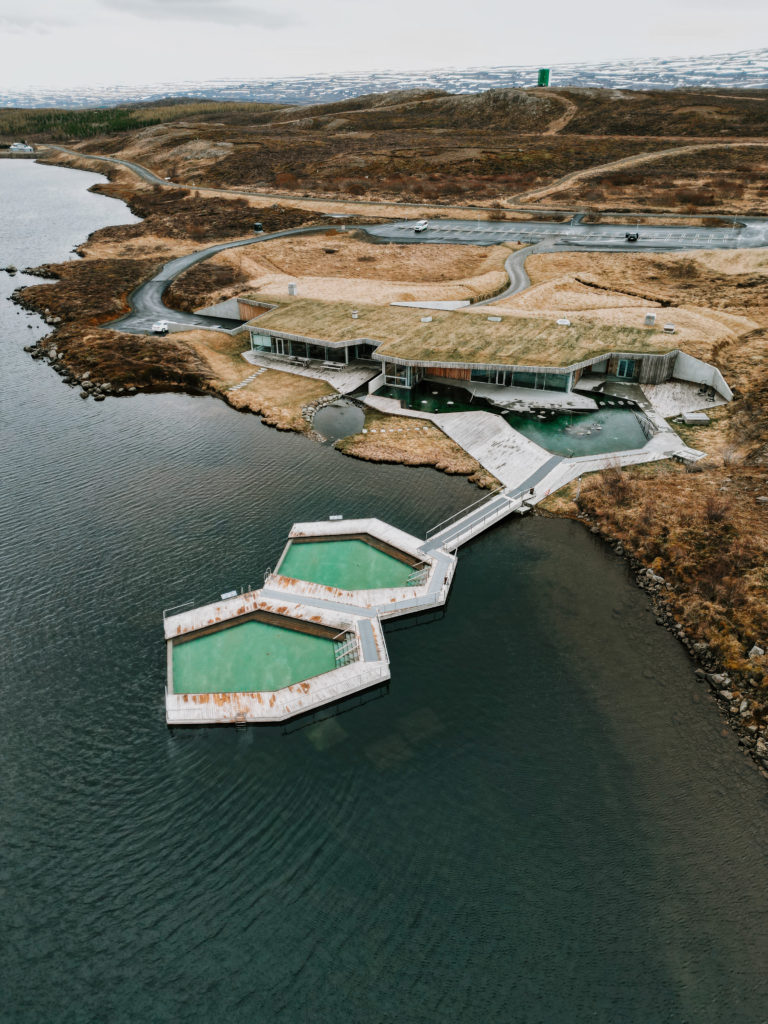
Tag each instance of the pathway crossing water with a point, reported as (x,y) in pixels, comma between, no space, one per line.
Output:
(540,821)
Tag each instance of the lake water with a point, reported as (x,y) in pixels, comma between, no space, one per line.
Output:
(543,821)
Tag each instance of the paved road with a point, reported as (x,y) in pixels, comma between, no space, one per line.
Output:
(147,305)
(748,233)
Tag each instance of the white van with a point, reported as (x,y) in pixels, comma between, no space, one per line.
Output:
(420,225)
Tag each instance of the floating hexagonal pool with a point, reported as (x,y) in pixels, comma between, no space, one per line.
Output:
(364,563)
(257,652)
(349,562)
(250,658)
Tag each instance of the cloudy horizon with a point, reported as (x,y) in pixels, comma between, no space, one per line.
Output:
(138,42)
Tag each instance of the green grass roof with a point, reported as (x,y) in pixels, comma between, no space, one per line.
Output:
(458,336)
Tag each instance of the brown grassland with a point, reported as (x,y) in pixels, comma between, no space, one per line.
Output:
(412,442)
(704,531)
(338,265)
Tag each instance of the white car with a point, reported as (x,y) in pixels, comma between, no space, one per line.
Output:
(420,225)
(160,327)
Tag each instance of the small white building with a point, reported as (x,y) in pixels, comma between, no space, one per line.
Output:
(21,147)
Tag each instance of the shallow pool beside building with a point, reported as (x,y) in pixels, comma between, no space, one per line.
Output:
(583,433)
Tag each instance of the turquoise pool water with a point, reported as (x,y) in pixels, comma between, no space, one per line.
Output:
(346,564)
(250,656)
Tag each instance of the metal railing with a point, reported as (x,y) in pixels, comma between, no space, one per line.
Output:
(347,652)
(464,512)
(418,576)
(424,601)
(175,609)
(476,526)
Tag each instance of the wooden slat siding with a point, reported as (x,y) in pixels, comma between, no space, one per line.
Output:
(271,618)
(463,371)
(655,369)
(437,368)
(455,374)
(247,310)
(380,545)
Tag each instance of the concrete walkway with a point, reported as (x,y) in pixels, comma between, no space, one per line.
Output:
(500,449)
(344,377)
(523,399)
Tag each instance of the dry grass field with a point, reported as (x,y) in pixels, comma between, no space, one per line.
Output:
(337,266)
(691,152)
(699,178)
(412,442)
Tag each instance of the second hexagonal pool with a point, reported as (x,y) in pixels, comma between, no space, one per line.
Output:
(349,563)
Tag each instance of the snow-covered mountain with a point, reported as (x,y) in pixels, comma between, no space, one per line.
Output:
(747,69)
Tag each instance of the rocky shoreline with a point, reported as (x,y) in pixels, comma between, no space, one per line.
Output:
(734,692)
(98,390)
(104,364)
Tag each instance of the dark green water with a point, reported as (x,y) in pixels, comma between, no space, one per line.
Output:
(572,434)
(541,822)
(585,433)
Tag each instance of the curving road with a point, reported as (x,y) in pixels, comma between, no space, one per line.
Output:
(146,301)
(149,176)
(147,305)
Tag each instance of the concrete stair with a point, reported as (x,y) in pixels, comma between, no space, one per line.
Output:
(247,381)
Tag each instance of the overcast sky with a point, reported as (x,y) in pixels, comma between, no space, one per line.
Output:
(52,43)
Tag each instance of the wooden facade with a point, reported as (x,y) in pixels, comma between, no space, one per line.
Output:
(249,308)
(452,373)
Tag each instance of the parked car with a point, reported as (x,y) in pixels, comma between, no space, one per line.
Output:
(420,225)
(160,327)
